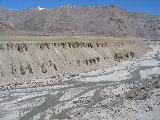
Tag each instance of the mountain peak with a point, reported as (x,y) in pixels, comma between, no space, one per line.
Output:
(67,6)
(39,7)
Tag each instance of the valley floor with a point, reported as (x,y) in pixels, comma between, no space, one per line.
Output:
(128,90)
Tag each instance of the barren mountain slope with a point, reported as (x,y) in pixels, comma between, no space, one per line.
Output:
(105,20)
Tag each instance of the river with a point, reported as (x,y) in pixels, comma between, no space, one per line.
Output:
(76,93)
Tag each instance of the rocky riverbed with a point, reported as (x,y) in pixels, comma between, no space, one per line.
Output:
(127,90)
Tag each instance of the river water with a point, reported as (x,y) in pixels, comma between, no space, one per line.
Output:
(59,100)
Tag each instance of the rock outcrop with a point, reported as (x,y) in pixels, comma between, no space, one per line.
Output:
(105,20)
(21,62)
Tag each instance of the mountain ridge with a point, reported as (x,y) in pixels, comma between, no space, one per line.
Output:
(105,20)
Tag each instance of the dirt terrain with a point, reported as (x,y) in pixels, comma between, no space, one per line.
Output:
(27,58)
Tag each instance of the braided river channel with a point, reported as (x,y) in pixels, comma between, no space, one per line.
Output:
(73,95)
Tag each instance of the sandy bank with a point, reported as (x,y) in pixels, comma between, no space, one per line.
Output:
(20,62)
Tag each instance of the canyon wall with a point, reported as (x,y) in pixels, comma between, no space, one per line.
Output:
(27,61)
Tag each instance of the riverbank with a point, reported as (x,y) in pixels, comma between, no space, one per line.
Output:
(130,92)
(137,100)
(25,62)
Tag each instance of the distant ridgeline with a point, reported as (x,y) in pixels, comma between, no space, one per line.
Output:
(105,20)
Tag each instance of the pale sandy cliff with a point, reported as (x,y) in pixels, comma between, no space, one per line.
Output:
(35,60)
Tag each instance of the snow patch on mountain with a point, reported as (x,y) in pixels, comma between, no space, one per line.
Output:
(39,7)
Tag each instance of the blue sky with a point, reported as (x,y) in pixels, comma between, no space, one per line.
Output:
(148,6)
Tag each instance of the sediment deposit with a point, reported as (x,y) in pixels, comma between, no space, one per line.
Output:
(22,61)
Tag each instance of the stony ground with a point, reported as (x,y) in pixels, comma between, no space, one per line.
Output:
(130,92)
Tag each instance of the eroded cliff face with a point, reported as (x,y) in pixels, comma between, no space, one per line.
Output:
(21,62)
